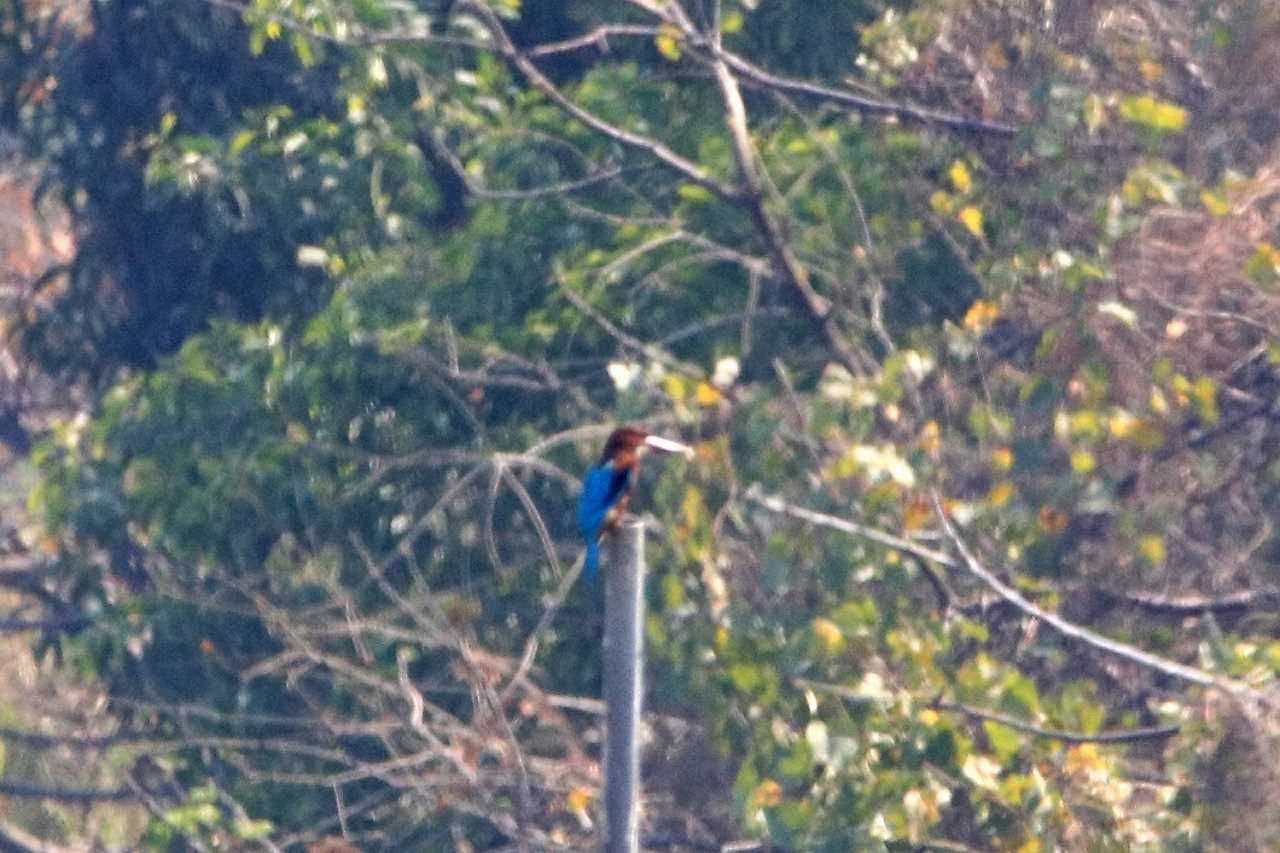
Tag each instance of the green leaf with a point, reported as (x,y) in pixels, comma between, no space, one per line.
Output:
(1004,740)
(695,193)
(240,142)
(1157,115)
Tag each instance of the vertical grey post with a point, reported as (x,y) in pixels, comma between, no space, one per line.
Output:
(623,688)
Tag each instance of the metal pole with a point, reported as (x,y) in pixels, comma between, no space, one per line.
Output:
(623,687)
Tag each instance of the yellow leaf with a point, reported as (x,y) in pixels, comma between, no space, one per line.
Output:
(1082,462)
(1205,393)
(578,800)
(273,30)
(768,793)
(706,394)
(732,22)
(675,387)
(830,634)
(1086,422)
(971,217)
(980,315)
(667,41)
(941,203)
(1153,71)
(960,177)
(931,439)
(240,142)
(1001,493)
(1002,458)
(1085,756)
(928,716)
(1031,845)
(1215,203)
(1122,424)
(1152,547)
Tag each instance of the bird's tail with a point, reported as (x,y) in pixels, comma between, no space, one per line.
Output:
(592,562)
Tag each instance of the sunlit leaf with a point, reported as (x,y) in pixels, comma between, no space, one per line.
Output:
(971,217)
(767,794)
(981,314)
(1004,740)
(1082,462)
(1149,112)
(706,394)
(829,634)
(667,41)
(1215,203)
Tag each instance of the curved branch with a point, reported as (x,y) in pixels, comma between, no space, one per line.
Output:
(672,14)
(1092,638)
(1122,736)
(977,569)
(520,61)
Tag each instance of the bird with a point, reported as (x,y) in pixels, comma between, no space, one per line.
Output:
(606,490)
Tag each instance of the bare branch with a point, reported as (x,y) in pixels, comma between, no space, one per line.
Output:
(822,519)
(597,37)
(946,597)
(970,562)
(1078,632)
(658,150)
(817,307)
(12,788)
(1192,604)
(53,623)
(1122,736)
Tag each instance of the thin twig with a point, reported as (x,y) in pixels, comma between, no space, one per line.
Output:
(1122,736)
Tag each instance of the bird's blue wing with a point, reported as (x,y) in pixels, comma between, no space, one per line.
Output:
(593,502)
(600,491)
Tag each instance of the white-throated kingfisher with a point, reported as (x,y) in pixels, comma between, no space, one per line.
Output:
(606,490)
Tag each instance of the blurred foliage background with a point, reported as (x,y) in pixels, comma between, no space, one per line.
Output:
(316,310)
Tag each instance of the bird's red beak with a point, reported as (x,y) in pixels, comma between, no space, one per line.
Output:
(666,445)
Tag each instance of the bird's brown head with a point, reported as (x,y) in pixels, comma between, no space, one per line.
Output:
(627,444)
(623,446)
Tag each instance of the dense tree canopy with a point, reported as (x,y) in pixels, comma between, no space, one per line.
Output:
(969,308)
